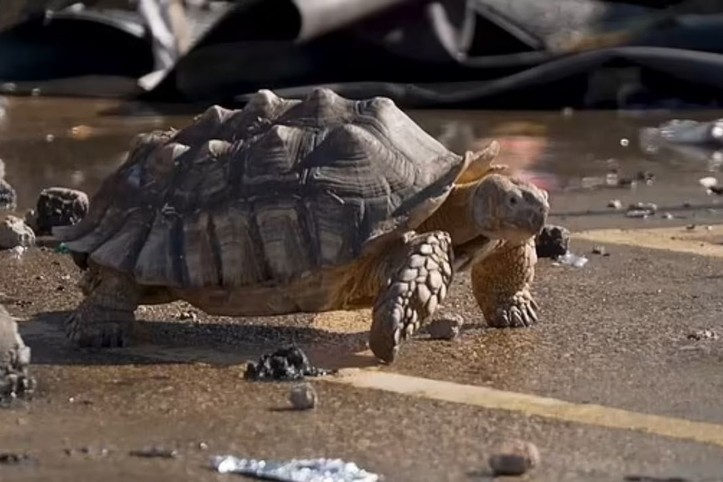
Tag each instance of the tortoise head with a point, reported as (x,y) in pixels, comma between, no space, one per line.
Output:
(508,208)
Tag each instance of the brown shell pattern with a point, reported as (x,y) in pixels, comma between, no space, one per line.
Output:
(266,194)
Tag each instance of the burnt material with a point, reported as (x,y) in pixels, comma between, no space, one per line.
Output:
(285,364)
(552,242)
(59,206)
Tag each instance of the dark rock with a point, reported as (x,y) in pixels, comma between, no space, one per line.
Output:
(59,206)
(552,241)
(289,363)
(8,196)
(445,327)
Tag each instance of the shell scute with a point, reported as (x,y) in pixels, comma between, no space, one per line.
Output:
(283,237)
(273,156)
(201,254)
(333,225)
(159,261)
(242,258)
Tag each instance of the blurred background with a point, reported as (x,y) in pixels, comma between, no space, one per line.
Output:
(489,54)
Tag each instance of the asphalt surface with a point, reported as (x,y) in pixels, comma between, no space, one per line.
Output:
(616,334)
(613,333)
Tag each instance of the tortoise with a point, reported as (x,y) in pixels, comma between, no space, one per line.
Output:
(304,205)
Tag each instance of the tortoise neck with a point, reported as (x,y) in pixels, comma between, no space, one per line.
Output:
(455,215)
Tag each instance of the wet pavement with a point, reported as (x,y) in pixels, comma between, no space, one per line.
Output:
(615,334)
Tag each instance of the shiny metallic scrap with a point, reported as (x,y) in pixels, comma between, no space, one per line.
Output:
(295,470)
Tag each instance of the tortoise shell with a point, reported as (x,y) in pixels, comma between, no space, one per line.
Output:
(265,195)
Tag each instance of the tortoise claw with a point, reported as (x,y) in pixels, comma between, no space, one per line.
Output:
(518,312)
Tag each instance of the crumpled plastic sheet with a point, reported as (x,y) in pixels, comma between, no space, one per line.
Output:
(571,259)
(295,470)
(681,131)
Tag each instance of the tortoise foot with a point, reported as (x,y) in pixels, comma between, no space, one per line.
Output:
(517,312)
(99,327)
(418,284)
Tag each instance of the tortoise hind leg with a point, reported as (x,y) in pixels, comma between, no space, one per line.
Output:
(501,286)
(415,282)
(105,317)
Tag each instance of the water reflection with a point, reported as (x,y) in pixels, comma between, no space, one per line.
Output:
(76,143)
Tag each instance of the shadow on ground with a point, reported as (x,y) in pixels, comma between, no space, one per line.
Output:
(159,342)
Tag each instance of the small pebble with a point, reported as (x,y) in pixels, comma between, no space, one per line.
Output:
(90,451)
(445,328)
(690,227)
(637,213)
(624,142)
(514,457)
(597,249)
(646,176)
(188,315)
(708,182)
(12,458)
(303,397)
(615,204)
(703,335)
(652,207)
(667,216)
(155,452)
(627,182)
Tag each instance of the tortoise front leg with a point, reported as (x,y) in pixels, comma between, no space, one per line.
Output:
(414,285)
(501,285)
(105,317)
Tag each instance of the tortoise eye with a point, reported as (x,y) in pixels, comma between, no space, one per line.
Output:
(513,200)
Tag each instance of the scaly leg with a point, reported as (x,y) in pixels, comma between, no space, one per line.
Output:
(501,286)
(105,317)
(415,284)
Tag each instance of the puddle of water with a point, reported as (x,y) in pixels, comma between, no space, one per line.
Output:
(77,142)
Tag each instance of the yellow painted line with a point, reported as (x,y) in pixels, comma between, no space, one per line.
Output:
(697,241)
(552,408)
